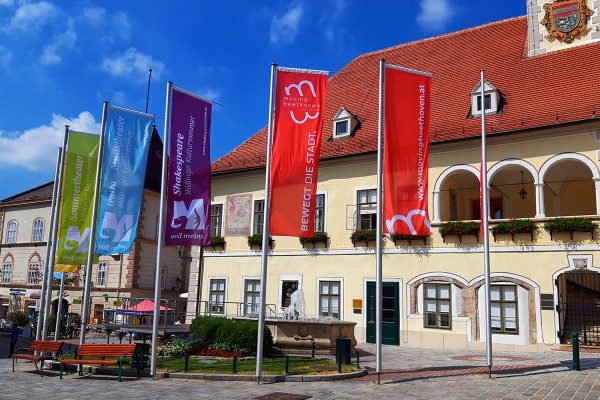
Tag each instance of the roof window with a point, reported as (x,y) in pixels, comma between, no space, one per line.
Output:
(493,100)
(345,124)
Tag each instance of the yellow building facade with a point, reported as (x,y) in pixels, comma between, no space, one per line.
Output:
(543,152)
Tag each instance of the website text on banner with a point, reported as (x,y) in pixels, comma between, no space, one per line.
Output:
(406,152)
(77,200)
(298,124)
(123,172)
(188,188)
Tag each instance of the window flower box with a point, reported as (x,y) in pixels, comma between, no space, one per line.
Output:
(363,235)
(513,226)
(570,225)
(401,236)
(460,228)
(256,240)
(319,237)
(217,241)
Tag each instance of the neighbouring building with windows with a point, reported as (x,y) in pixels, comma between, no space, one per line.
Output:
(24,229)
(542,107)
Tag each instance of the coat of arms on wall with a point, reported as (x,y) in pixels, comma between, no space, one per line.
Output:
(566,19)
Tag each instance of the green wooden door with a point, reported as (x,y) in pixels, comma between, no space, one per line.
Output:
(390,313)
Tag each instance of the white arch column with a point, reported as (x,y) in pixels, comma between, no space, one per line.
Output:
(437,206)
(597,187)
(540,210)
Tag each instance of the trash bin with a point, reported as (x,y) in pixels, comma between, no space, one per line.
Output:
(343,348)
(141,355)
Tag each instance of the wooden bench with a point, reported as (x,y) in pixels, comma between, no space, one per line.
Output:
(100,350)
(46,349)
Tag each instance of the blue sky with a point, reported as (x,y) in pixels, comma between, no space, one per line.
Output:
(59,60)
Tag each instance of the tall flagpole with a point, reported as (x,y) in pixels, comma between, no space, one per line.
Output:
(92,244)
(53,235)
(148,92)
(265,242)
(49,239)
(378,249)
(161,228)
(486,232)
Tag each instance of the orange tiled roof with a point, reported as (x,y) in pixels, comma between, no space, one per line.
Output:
(543,90)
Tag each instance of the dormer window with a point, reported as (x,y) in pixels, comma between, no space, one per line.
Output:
(493,100)
(345,124)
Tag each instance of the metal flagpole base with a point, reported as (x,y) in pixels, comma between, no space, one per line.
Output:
(378,378)
(489,371)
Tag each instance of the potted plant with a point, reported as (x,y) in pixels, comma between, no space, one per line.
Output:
(256,240)
(363,235)
(217,241)
(460,228)
(319,237)
(513,226)
(404,236)
(570,225)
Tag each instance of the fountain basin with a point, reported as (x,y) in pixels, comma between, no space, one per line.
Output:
(296,336)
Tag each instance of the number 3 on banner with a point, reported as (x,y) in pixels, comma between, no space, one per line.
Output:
(306,116)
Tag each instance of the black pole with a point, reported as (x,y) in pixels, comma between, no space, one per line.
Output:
(148,93)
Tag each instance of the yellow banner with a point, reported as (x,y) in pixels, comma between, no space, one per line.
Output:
(65,268)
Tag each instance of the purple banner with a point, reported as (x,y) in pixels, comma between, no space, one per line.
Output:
(188,190)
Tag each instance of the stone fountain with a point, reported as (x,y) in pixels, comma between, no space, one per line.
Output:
(294,332)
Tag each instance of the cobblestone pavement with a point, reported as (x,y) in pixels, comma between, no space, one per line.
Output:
(408,373)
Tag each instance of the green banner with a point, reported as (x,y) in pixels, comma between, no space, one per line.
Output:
(77,199)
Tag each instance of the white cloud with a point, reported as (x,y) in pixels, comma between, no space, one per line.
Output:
(31,16)
(285,28)
(6,2)
(435,14)
(208,93)
(66,39)
(5,56)
(121,25)
(94,15)
(35,149)
(339,8)
(133,65)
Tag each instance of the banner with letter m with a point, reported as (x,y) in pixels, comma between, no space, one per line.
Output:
(123,172)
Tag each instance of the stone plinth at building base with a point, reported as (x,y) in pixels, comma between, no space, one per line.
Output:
(297,336)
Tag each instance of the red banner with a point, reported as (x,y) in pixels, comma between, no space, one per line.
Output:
(297,127)
(406,152)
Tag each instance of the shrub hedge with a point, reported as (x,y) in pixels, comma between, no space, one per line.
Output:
(228,335)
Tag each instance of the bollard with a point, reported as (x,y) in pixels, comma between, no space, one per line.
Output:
(313,350)
(575,341)
(235,363)
(187,362)
(357,359)
(287,364)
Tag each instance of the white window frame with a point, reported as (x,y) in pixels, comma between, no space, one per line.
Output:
(324,194)
(341,296)
(33,272)
(254,200)
(37,233)
(12,229)
(245,280)
(437,301)
(476,104)
(7,268)
(101,274)
(218,230)
(210,291)
(501,319)
(283,278)
(357,214)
